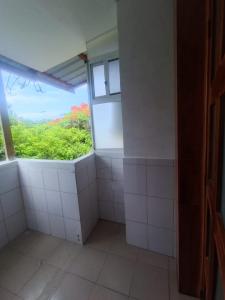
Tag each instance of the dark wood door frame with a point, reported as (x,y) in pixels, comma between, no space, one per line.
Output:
(192,58)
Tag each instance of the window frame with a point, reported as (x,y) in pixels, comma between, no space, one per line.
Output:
(102,60)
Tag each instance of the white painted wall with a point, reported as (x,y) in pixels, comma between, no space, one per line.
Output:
(42,34)
(103,44)
(146,40)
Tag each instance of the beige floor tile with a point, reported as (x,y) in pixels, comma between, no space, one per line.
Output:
(63,255)
(73,288)
(5,295)
(35,286)
(120,247)
(117,274)
(88,264)
(14,276)
(101,293)
(150,282)
(8,258)
(42,246)
(104,235)
(154,259)
(25,241)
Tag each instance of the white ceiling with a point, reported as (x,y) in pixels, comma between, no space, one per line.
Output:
(44,33)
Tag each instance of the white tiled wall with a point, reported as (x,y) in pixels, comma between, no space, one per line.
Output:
(149,204)
(50,197)
(12,214)
(85,171)
(60,197)
(109,165)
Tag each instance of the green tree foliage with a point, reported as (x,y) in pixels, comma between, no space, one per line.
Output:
(66,138)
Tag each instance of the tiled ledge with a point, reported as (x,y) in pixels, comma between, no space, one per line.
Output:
(7,164)
(58,164)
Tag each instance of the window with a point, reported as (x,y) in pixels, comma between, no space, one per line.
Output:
(47,122)
(105,78)
(99,80)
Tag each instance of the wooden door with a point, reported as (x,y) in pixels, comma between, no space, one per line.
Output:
(214,261)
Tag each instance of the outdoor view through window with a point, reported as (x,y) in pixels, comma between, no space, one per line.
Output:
(47,122)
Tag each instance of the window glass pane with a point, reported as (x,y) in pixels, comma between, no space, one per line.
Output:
(2,149)
(47,122)
(99,80)
(108,125)
(114,76)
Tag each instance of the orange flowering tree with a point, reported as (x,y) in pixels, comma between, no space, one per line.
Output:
(78,117)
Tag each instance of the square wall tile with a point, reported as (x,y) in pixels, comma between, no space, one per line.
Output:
(67,181)
(27,197)
(117,169)
(160,240)
(39,200)
(93,201)
(137,234)
(73,230)
(160,212)
(118,191)
(107,210)
(3,235)
(84,204)
(105,192)
(36,177)
(43,222)
(82,178)
(104,167)
(51,181)
(161,181)
(103,162)
(9,179)
(32,221)
(70,206)
(136,208)
(57,226)
(135,179)
(24,176)
(11,202)
(15,225)
(119,213)
(54,204)
(91,169)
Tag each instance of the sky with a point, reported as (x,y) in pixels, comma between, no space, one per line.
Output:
(33,105)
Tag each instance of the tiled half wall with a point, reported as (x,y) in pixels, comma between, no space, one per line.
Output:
(150,193)
(60,198)
(65,199)
(12,213)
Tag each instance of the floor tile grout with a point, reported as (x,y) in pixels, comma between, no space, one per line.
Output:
(57,279)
